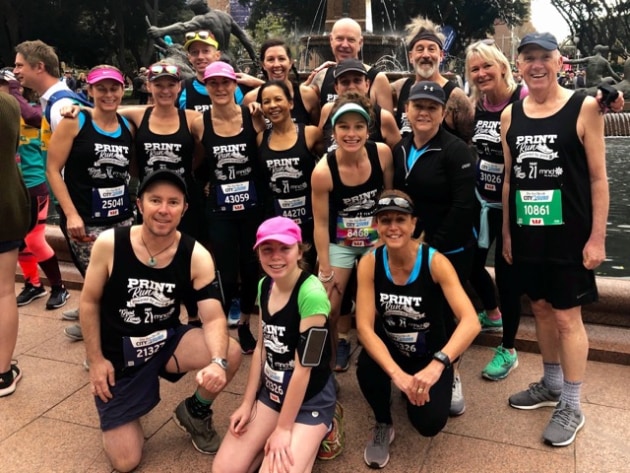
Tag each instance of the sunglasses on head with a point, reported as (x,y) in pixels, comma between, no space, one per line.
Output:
(199,35)
(167,68)
(397,201)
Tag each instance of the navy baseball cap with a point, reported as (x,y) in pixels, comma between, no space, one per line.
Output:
(544,40)
(427,90)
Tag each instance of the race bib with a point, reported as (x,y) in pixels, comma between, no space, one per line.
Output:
(490,175)
(412,344)
(358,232)
(109,202)
(236,196)
(297,209)
(139,350)
(539,207)
(276,383)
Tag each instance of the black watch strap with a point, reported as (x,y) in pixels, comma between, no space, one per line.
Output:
(442,358)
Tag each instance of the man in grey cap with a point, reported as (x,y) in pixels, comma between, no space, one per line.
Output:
(555,206)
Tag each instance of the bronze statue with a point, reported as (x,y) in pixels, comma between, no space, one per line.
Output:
(219,23)
(597,66)
(624,85)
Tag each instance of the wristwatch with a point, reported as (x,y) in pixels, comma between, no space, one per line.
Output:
(222,362)
(442,358)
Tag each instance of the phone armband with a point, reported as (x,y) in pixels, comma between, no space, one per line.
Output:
(311,346)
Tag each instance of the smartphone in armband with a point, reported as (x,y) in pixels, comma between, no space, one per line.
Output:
(311,346)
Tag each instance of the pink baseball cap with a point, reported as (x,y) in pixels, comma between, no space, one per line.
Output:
(219,69)
(280,229)
(101,73)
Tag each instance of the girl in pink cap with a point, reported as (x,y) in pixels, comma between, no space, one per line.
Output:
(282,423)
(94,152)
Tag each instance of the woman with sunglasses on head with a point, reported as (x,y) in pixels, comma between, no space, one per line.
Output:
(435,168)
(94,152)
(289,401)
(492,89)
(404,329)
(236,193)
(345,185)
(277,64)
(288,153)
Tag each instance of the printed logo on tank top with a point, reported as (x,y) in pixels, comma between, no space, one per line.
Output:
(108,156)
(534,148)
(487,130)
(331,97)
(272,335)
(407,307)
(405,124)
(202,108)
(364,201)
(155,296)
(282,171)
(161,155)
(227,156)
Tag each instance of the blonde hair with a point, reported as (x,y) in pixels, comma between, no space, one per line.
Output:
(489,53)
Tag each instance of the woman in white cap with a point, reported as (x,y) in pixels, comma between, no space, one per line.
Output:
(289,402)
(403,326)
(345,185)
(235,202)
(94,152)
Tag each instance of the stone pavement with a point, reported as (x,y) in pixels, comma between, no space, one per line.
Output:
(50,424)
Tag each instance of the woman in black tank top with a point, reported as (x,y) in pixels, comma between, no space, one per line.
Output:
(288,153)
(403,326)
(277,64)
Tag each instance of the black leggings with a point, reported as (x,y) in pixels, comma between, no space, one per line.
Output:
(507,283)
(232,241)
(375,385)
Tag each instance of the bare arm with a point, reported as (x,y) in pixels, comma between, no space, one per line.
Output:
(460,114)
(98,271)
(314,140)
(250,96)
(506,120)
(591,131)
(59,148)
(381,92)
(387,164)
(321,185)
(311,103)
(389,129)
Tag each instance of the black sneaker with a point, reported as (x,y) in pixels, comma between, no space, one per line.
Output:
(8,381)
(246,339)
(30,293)
(59,295)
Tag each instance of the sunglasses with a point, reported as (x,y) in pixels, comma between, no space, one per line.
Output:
(397,201)
(164,68)
(199,35)
(486,41)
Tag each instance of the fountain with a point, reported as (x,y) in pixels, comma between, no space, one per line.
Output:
(383,51)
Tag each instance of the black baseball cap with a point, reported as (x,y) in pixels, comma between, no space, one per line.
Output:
(349,65)
(544,40)
(163,175)
(427,90)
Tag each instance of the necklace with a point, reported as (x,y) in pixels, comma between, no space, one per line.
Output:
(152,261)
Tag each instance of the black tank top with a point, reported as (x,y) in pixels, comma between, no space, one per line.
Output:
(138,300)
(235,185)
(173,151)
(282,332)
(288,173)
(549,165)
(96,173)
(195,100)
(351,207)
(411,314)
(487,141)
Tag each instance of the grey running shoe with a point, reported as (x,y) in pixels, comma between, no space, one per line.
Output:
(564,425)
(72,314)
(376,453)
(59,295)
(458,404)
(74,332)
(29,293)
(204,438)
(535,396)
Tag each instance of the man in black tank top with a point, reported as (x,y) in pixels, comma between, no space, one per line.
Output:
(136,280)
(555,208)
(346,41)
(425,54)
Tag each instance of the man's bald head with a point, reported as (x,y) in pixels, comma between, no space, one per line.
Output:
(346,39)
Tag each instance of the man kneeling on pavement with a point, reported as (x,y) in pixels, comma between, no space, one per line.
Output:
(135,283)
